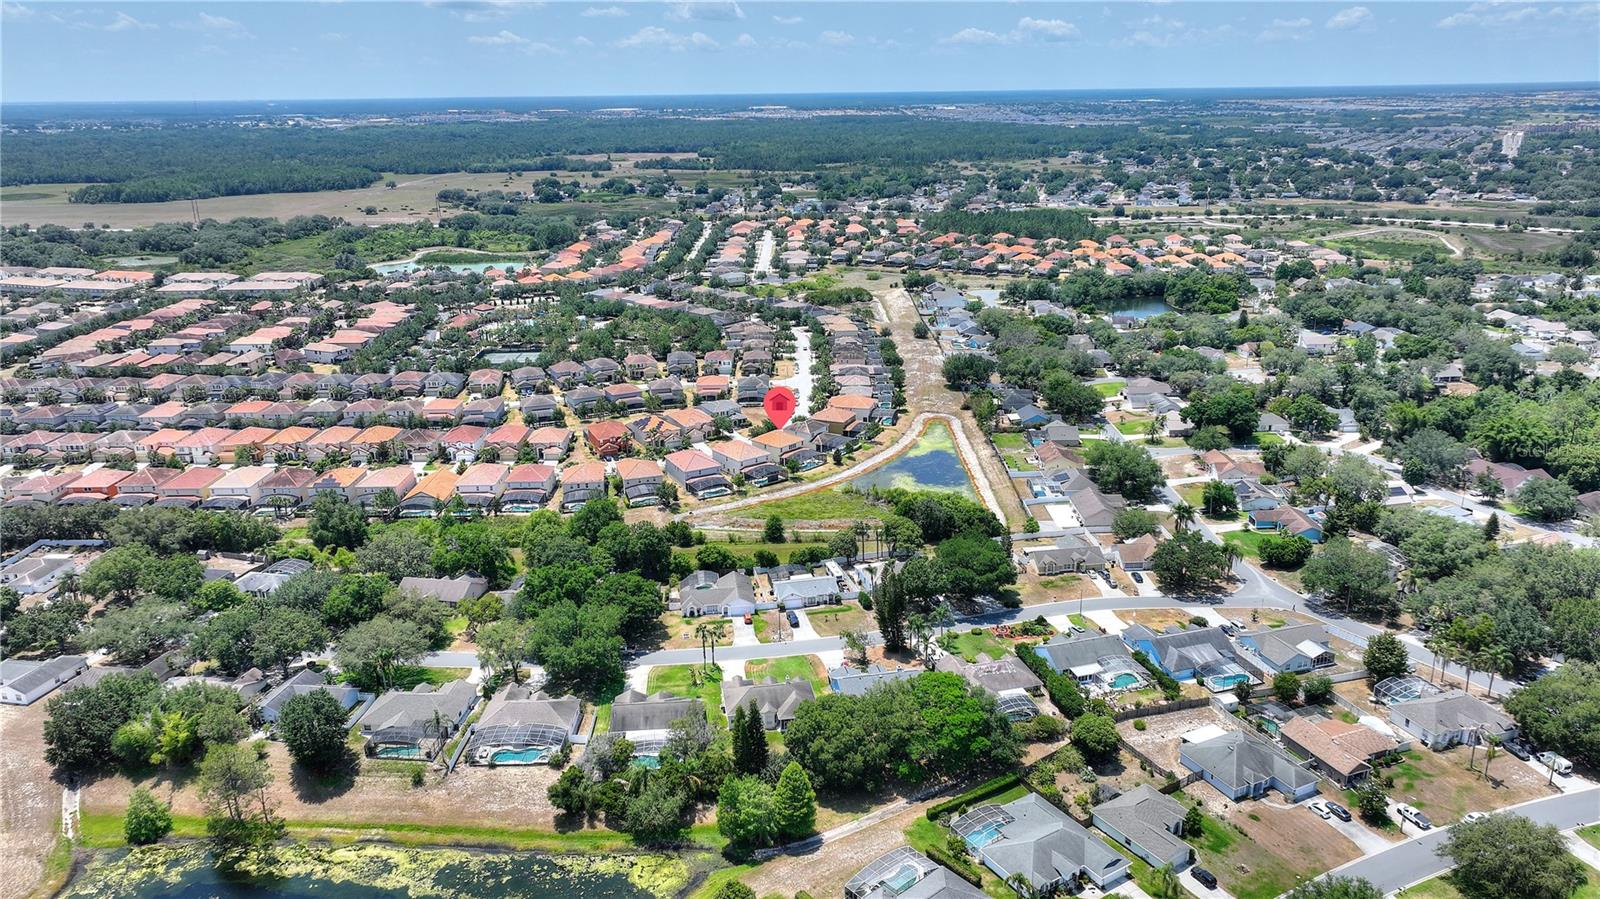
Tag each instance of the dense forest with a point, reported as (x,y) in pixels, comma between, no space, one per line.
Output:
(152,165)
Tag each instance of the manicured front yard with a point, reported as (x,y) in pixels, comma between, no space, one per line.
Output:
(967,644)
(690,680)
(1109,388)
(1248,542)
(808,667)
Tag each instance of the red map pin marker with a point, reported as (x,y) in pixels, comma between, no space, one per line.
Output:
(779,403)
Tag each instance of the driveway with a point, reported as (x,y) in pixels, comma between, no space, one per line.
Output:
(1196,888)
(800,382)
(1365,840)
(804,630)
(744,634)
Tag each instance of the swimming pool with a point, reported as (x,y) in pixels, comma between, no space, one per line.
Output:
(1124,681)
(903,879)
(526,756)
(398,752)
(984,835)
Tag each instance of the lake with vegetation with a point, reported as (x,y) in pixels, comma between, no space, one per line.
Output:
(370,871)
(930,464)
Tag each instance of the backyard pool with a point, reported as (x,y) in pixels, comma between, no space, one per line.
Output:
(903,879)
(930,464)
(526,756)
(1125,681)
(984,835)
(397,752)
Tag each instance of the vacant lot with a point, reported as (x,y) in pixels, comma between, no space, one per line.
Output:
(680,631)
(30,802)
(1261,850)
(1158,620)
(1441,784)
(1035,590)
(690,680)
(1441,888)
(1159,739)
(808,667)
(825,871)
(835,620)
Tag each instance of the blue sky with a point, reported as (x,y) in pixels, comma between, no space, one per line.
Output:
(441,48)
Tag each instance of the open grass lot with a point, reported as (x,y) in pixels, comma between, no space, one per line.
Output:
(1109,388)
(680,631)
(1441,888)
(30,804)
(1010,441)
(1440,783)
(1035,590)
(808,667)
(1591,835)
(690,680)
(818,505)
(1248,542)
(968,644)
(1261,850)
(835,620)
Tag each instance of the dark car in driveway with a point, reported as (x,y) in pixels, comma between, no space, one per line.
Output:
(1338,811)
(1206,878)
(1519,749)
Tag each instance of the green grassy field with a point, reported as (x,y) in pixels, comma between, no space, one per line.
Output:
(967,644)
(679,679)
(1441,888)
(782,550)
(1248,542)
(785,668)
(1109,388)
(818,505)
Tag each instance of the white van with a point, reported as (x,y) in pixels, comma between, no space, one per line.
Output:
(1555,763)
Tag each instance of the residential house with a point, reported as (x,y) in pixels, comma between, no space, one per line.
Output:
(550,443)
(481,484)
(308,681)
(1451,718)
(448,590)
(25,682)
(1287,520)
(521,725)
(581,483)
(855,682)
(607,439)
(528,487)
(1030,838)
(429,495)
(1149,823)
(398,480)
(1201,654)
(722,595)
(697,473)
(416,724)
(646,721)
(1006,677)
(1344,752)
(1070,553)
(641,481)
(1144,393)
(1298,648)
(1243,766)
(905,873)
(1100,663)
(775,701)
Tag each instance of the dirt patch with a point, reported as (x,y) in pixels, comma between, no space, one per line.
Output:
(1035,590)
(1160,738)
(30,802)
(1181,467)
(1158,620)
(680,631)
(474,796)
(1274,847)
(835,620)
(825,871)
(1442,784)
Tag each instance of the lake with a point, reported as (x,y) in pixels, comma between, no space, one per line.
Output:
(389,268)
(930,464)
(371,871)
(1142,308)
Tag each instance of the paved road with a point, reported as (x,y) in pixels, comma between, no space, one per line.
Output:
(1414,860)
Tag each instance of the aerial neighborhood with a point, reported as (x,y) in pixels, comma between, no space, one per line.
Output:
(1110,514)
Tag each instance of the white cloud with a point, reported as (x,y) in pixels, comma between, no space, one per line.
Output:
(606,12)
(1161,31)
(788,20)
(704,10)
(332,36)
(15,12)
(581,41)
(745,41)
(973,37)
(125,22)
(656,37)
(1508,14)
(1285,30)
(836,38)
(1028,30)
(482,10)
(220,25)
(512,40)
(1046,29)
(1354,17)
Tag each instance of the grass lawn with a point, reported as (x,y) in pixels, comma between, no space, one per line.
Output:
(408,676)
(680,679)
(968,645)
(456,626)
(1248,542)
(835,620)
(1010,441)
(1109,388)
(1136,427)
(1591,835)
(925,834)
(808,667)
(1440,784)
(818,505)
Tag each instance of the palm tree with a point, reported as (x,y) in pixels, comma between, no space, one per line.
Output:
(1494,659)
(1439,646)
(1491,748)
(1183,514)
(702,632)
(718,630)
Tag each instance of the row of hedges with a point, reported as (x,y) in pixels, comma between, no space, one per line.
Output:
(985,790)
(1063,690)
(1169,687)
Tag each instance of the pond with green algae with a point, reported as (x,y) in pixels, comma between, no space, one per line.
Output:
(931,463)
(370,871)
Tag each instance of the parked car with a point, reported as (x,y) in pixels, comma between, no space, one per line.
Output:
(1206,878)
(794,620)
(1519,749)
(1470,817)
(1415,816)
(749,618)
(1319,808)
(1338,811)
(1137,577)
(1555,763)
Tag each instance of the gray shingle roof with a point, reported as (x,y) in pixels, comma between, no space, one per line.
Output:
(1147,817)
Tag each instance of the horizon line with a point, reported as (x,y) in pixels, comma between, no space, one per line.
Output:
(1413,86)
